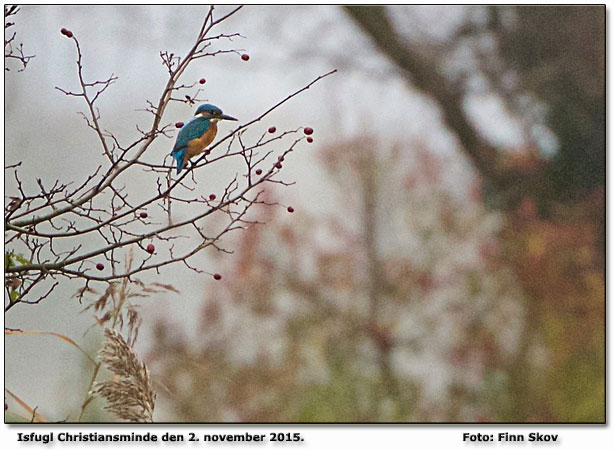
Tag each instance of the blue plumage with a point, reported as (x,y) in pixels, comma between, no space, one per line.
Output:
(194,129)
(179,156)
(197,133)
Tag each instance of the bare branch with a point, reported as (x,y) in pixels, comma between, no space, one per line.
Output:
(48,229)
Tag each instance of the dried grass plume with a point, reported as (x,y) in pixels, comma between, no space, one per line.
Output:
(129,395)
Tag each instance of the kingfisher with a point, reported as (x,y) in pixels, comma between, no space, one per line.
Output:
(199,132)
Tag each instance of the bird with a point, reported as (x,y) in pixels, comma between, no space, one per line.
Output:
(195,135)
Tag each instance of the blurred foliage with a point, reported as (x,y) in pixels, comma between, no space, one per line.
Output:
(559,267)
(550,59)
(386,310)
(558,54)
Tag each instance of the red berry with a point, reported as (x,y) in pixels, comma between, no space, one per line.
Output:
(202,81)
(308,131)
(217,276)
(278,165)
(207,152)
(245,57)
(143,215)
(211,196)
(290,209)
(272,130)
(309,139)
(100,266)
(258,171)
(179,124)
(151,248)
(66,32)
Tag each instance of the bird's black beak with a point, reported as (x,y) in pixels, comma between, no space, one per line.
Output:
(225,117)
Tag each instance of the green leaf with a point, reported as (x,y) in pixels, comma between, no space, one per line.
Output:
(22,260)
(8,260)
(14,295)
(11,258)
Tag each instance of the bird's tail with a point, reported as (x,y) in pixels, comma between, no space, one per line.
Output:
(179,156)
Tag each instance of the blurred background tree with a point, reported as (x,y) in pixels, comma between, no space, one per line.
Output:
(549,58)
(538,56)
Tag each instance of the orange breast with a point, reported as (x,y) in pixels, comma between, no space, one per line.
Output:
(196,146)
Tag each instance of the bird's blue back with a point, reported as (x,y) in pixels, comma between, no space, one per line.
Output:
(194,129)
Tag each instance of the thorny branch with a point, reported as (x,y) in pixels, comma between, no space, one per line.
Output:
(64,230)
(12,50)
